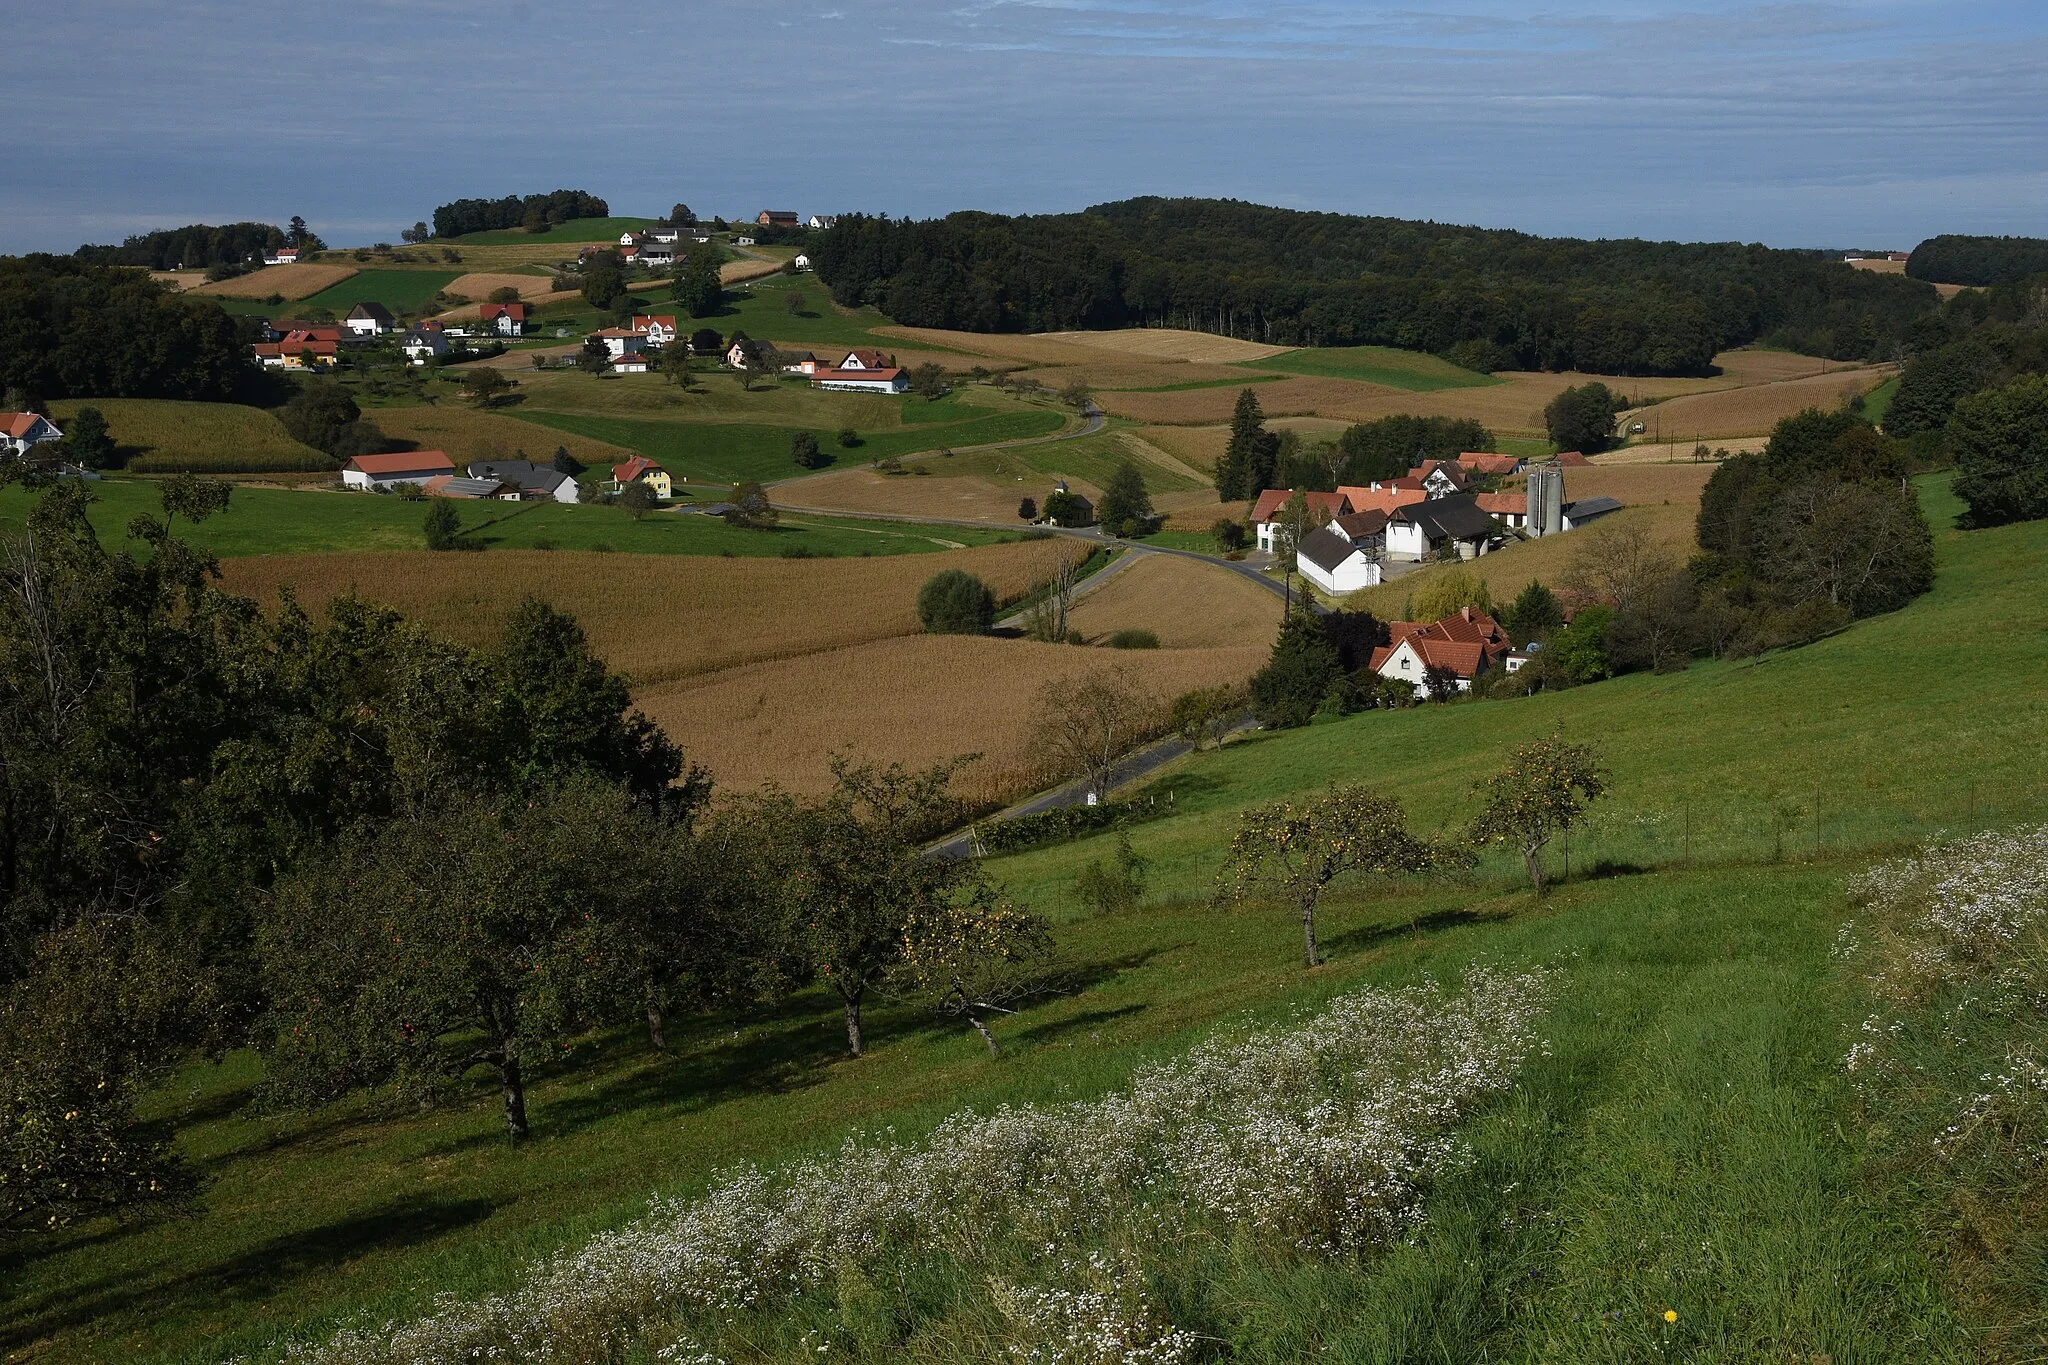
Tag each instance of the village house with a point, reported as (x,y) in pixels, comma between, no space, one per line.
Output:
(1509,509)
(823,220)
(659,329)
(640,469)
(505,319)
(537,482)
(1441,479)
(267,354)
(1345,555)
(309,351)
(776,218)
(1377,498)
(740,352)
(1423,529)
(1266,524)
(370,320)
(886,379)
(284,255)
(633,362)
(620,341)
(798,362)
(1460,647)
(865,359)
(1491,466)
(387,471)
(801,261)
(627,239)
(665,232)
(657,253)
(425,341)
(21,430)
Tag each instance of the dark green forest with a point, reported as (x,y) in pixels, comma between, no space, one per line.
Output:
(69,328)
(194,247)
(1980,261)
(1484,298)
(538,212)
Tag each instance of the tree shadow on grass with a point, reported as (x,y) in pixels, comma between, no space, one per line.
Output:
(249,1276)
(1367,937)
(1054,1030)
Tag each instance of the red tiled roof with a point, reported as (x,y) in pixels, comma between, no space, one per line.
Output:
(437,483)
(514,311)
(643,321)
(1356,524)
(634,468)
(404,462)
(882,374)
(16,425)
(617,332)
(1273,499)
(1502,504)
(869,359)
(1572,459)
(1386,501)
(1480,463)
(265,349)
(1460,643)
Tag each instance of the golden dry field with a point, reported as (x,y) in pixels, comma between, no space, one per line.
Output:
(164,435)
(288,281)
(903,701)
(1188,604)
(1678,452)
(1751,411)
(469,311)
(469,434)
(1166,343)
(734,272)
(179,280)
(1014,348)
(478,286)
(907,495)
(659,618)
(1113,373)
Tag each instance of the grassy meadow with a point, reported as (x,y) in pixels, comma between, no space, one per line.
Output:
(1684,1144)
(401,291)
(1415,371)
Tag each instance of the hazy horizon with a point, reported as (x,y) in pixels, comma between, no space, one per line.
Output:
(1795,124)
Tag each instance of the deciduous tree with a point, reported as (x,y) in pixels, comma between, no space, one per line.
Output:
(1087,723)
(1294,850)
(955,602)
(1541,792)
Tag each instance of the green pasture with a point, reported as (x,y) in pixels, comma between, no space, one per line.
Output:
(727,452)
(1089,458)
(1415,371)
(400,290)
(1878,401)
(1682,1142)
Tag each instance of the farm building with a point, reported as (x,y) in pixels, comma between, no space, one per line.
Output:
(506,319)
(665,232)
(1497,466)
(1345,555)
(267,354)
(801,261)
(537,482)
(425,341)
(1577,514)
(457,486)
(640,469)
(1266,512)
(1380,498)
(1461,647)
(887,380)
(284,255)
(387,471)
(1422,529)
(370,320)
(799,362)
(21,430)
(777,218)
(308,351)
(865,359)
(823,220)
(619,341)
(633,362)
(1441,478)
(1509,509)
(657,253)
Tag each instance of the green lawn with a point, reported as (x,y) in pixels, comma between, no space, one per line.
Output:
(726,452)
(760,308)
(1090,458)
(1412,370)
(261,521)
(577,231)
(1878,401)
(402,291)
(1683,1143)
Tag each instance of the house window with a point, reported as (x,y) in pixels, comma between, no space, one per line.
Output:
(1407,663)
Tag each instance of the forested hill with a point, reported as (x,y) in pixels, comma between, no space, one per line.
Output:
(1979,261)
(1486,298)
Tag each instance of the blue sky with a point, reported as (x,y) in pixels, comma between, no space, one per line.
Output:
(1870,124)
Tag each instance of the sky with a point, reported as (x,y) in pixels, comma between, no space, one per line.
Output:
(1871,124)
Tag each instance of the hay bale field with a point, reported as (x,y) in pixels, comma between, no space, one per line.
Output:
(902,700)
(167,436)
(1754,410)
(468,434)
(1188,604)
(1167,343)
(660,618)
(288,281)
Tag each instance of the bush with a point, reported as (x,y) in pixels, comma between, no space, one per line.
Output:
(805,453)
(848,438)
(1134,638)
(955,602)
(443,524)
(1117,888)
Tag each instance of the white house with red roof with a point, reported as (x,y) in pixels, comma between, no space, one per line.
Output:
(386,471)
(506,319)
(1266,524)
(887,379)
(284,255)
(640,469)
(632,362)
(21,430)
(659,329)
(620,341)
(1463,646)
(865,359)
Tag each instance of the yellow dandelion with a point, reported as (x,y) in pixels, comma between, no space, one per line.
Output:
(1671,1315)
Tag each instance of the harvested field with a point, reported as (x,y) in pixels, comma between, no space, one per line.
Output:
(166,436)
(179,280)
(1769,367)
(733,272)
(1195,447)
(902,701)
(1640,485)
(660,618)
(1017,348)
(1166,343)
(479,286)
(1677,452)
(288,281)
(1197,511)
(468,434)
(471,311)
(1116,373)
(1279,398)
(1753,411)
(1188,604)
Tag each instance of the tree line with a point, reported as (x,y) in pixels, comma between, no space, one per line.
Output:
(70,328)
(384,860)
(1256,459)
(534,212)
(199,245)
(1486,299)
(1980,261)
